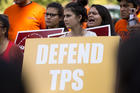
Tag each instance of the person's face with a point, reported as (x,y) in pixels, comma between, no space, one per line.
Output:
(94,18)
(70,19)
(52,18)
(125,9)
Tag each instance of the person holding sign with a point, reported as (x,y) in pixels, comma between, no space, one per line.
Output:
(54,16)
(99,15)
(128,63)
(85,4)
(74,16)
(8,50)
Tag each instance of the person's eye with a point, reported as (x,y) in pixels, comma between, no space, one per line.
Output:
(67,15)
(93,13)
(126,6)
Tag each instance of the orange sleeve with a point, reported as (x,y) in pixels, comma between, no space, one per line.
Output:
(138,16)
(121,28)
(121,25)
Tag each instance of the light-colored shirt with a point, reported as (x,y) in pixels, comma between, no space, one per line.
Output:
(88,33)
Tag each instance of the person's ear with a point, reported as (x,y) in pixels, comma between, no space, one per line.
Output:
(80,18)
(4,30)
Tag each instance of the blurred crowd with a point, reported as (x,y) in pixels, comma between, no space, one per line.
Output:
(75,17)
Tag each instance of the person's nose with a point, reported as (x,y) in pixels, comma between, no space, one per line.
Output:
(90,14)
(122,8)
(48,16)
(65,19)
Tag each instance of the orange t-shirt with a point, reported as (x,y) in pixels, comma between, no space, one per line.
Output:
(138,16)
(121,28)
(29,17)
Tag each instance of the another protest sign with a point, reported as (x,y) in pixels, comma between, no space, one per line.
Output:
(57,35)
(23,35)
(101,30)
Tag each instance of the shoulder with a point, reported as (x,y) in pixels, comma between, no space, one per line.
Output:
(14,47)
(10,8)
(38,7)
(89,33)
(121,25)
(121,21)
(15,52)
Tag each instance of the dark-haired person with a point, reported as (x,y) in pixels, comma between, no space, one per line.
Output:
(74,16)
(55,16)
(99,15)
(25,15)
(84,3)
(8,50)
(129,63)
(121,25)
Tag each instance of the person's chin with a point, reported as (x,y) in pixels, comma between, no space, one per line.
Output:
(91,25)
(17,2)
(124,17)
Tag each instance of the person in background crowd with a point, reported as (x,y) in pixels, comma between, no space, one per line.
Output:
(121,25)
(129,63)
(55,16)
(99,15)
(74,16)
(84,3)
(8,50)
(25,15)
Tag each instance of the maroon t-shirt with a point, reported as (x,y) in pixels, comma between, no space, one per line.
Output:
(12,54)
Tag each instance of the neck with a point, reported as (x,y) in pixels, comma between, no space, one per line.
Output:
(2,39)
(77,31)
(26,3)
(53,27)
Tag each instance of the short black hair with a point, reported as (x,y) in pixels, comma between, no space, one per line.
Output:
(133,2)
(77,9)
(5,23)
(130,1)
(58,6)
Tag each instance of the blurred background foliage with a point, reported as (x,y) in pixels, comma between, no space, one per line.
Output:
(6,3)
